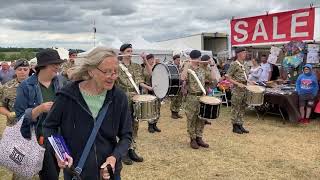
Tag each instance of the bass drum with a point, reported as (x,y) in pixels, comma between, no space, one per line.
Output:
(165,80)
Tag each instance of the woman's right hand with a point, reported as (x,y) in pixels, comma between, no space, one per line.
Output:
(68,162)
(45,107)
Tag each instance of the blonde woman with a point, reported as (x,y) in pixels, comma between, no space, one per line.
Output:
(77,107)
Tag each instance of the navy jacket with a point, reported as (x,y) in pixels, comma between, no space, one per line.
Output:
(28,97)
(71,115)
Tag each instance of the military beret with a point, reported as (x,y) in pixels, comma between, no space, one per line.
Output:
(205,58)
(125,46)
(195,54)
(72,52)
(239,50)
(21,63)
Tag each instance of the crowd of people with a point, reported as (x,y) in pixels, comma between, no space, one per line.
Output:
(57,97)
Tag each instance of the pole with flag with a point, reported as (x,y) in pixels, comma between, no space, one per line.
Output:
(94,33)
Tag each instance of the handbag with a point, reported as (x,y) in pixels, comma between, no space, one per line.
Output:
(22,156)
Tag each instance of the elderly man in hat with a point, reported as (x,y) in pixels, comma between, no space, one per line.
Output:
(8,95)
(124,83)
(34,100)
(237,76)
(194,124)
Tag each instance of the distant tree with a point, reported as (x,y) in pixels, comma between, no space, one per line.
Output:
(2,56)
(13,57)
(27,54)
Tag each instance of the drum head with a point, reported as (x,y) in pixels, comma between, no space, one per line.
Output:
(255,89)
(160,80)
(143,98)
(210,100)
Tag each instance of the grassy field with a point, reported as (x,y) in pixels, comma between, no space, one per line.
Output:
(272,150)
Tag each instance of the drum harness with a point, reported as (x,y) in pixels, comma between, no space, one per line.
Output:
(244,71)
(198,81)
(125,69)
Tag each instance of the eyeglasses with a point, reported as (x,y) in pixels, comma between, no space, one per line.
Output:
(109,73)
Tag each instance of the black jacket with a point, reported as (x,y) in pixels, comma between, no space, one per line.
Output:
(72,116)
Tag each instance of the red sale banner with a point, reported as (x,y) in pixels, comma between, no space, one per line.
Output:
(271,28)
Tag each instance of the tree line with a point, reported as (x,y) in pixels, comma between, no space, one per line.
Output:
(12,53)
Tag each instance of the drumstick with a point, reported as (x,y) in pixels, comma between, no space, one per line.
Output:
(198,81)
(123,68)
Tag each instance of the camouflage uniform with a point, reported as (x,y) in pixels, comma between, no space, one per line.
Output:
(194,124)
(147,80)
(238,99)
(208,85)
(8,97)
(65,67)
(176,102)
(124,83)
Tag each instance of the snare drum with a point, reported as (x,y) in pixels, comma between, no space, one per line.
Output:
(255,95)
(165,80)
(145,107)
(209,108)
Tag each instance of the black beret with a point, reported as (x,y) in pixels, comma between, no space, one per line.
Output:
(240,49)
(176,56)
(21,63)
(149,56)
(125,46)
(72,52)
(205,58)
(195,54)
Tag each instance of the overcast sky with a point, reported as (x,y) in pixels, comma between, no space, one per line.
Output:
(69,23)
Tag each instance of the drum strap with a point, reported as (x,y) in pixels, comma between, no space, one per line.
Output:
(244,70)
(125,70)
(198,81)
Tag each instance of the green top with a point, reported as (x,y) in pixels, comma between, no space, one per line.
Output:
(94,102)
(48,94)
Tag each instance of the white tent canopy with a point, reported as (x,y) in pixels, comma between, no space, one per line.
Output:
(140,45)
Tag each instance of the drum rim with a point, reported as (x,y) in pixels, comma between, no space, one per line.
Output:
(260,87)
(155,98)
(169,75)
(210,103)
(206,119)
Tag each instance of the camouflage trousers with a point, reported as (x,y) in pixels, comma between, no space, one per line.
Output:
(158,108)
(176,103)
(195,125)
(238,105)
(135,122)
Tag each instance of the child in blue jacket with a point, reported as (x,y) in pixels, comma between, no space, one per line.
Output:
(307,88)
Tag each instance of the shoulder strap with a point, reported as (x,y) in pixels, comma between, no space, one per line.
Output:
(92,138)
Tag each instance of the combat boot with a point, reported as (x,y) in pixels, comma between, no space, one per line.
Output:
(243,129)
(174,115)
(236,129)
(194,144)
(134,156)
(207,122)
(126,160)
(201,143)
(155,127)
(151,128)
